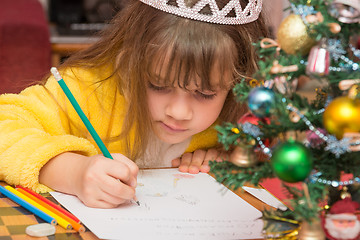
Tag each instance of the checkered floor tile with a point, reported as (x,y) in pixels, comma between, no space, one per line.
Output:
(14,219)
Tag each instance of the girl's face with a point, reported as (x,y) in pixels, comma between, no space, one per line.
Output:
(178,113)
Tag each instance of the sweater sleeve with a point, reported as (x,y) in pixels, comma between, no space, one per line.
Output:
(204,140)
(33,129)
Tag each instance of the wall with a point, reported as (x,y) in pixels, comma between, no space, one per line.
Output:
(274,13)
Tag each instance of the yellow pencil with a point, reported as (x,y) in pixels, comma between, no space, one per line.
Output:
(62,222)
(75,225)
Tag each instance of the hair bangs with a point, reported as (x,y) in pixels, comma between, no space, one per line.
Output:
(182,54)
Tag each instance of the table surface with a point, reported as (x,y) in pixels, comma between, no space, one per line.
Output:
(14,219)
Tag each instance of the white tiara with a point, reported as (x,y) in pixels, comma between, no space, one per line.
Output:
(250,13)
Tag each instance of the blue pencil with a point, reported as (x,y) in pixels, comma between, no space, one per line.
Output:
(28,206)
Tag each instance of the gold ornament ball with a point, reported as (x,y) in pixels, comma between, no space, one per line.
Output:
(342,115)
(293,37)
(243,156)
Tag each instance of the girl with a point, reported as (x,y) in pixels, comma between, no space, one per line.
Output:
(153,87)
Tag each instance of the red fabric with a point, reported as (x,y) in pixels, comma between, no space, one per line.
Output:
(276,188)
(344,206)
(25,50)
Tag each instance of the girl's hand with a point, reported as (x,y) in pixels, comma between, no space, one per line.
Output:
(106,183)
(97,181)
(198,161)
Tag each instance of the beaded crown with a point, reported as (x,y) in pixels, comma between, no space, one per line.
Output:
(231,14)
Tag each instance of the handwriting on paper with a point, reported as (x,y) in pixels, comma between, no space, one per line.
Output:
(173,206)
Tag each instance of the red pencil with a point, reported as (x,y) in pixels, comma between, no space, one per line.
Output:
(50,203)
(75,225)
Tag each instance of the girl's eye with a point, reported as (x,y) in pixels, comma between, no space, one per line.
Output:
(156,87)
(206,95)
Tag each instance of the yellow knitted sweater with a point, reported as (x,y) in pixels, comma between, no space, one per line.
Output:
(40,123)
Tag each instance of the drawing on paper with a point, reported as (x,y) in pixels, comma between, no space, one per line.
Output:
(179,176)
(188,199)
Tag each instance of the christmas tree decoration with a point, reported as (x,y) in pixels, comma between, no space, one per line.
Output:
(318,60)
(346,11)
(307,102)
(313,139)
(251,118)
(243,156)
(348,83)
(291,161)
(344,193)
(341,222)
(295,115)
(261,101)
(293,37)
(293,135)
(354,142)
(277,68)
(269,43)
(342,115)
(334,28)
(278,228)
(311,231)
(353,91)
(314,19)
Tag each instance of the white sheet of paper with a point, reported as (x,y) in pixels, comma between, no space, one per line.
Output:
(265,197)
(173,205)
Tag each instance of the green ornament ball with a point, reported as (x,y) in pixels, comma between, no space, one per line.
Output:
(291,161)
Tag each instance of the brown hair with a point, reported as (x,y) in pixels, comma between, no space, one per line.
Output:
(140,36)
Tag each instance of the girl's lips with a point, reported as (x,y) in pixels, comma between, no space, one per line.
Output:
(171,128)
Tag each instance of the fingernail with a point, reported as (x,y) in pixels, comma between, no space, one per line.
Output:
(133,183)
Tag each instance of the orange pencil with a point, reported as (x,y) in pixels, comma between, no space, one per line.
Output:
(61,221)
(75,225)
(50,203)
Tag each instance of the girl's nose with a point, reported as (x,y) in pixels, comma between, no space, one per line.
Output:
(179,106)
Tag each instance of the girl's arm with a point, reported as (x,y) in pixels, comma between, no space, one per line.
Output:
(33,130)
(97,181)
(39,124)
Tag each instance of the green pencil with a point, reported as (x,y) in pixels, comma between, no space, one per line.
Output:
(82,115)
(80,112)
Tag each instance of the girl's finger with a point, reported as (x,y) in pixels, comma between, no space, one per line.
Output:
(99,204)
(175,162)
(134,169)
(196,161)
(185,162)
(116,192)
(211,155)
(122,171)
(223,156)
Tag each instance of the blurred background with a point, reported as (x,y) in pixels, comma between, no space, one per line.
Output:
(39,34)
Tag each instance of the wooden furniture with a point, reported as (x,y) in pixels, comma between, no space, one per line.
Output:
(63,50)
(64,46)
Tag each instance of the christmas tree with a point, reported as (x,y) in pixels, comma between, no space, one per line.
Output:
(312,144)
